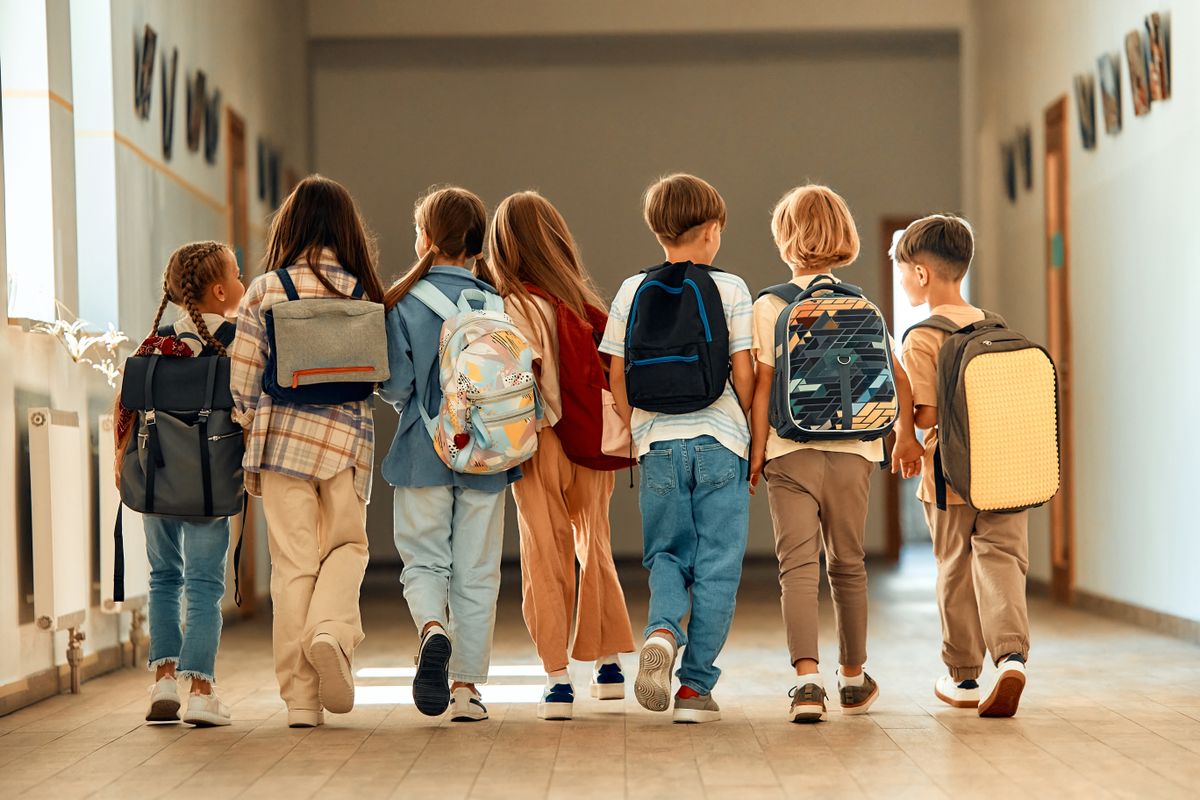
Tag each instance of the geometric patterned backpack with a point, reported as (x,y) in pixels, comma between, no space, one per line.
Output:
(833,365)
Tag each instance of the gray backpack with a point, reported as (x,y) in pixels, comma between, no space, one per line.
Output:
(997,400)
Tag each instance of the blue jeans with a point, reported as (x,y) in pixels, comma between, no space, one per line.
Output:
(186,558)
(450,540)
(695,518)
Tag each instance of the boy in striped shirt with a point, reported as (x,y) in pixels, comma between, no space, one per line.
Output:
(694,494)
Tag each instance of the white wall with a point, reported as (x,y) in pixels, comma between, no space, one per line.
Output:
(1135,245)
(255,53)
(591,122)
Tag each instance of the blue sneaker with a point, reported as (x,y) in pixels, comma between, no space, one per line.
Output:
(608,682)
(558,702)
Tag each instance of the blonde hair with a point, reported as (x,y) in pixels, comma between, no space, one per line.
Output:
(945,241)
(455,220)
(675,205)
(529,242)
(190,271)
(813,228)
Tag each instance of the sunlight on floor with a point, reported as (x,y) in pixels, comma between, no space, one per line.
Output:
(402,695)
(500,671)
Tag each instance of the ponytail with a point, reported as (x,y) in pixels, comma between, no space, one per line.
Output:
(403,286)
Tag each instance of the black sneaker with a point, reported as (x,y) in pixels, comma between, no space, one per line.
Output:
(431,686)
(808,703)
(858,699)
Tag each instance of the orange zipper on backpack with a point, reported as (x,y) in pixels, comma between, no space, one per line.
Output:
(325,371)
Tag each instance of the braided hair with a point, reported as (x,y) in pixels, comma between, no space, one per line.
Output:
(190,271)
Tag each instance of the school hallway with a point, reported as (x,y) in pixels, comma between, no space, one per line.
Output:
(1095,722)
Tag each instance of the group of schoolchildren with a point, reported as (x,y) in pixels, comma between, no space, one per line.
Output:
(679,375)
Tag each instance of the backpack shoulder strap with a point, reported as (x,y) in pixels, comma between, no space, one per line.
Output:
(937,323)
(433,299)
(289,287)
(787,292)
(226,333)
(359,289)
(488,301)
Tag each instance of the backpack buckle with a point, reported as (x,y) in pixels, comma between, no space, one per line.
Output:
(150,417)
(205,413)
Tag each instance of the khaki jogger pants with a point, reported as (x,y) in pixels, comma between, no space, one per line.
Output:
(316,530)
(982,560)
(819,497)
(562,509)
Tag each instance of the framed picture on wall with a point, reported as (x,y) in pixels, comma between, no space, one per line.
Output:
(196,108)
(169,71)
(1025,156)
(1158,44)
(1085,103)
(1008,161)
(1110,91)
(144,49)
(1139,73)
(212,126)
(261,148)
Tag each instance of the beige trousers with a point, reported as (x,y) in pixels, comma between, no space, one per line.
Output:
(820,498)
(317,535)
(982,560)
(562,510)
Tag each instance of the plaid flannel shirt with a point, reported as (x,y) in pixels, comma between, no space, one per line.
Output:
(301,441)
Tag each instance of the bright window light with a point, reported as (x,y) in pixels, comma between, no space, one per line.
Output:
(499,671)
(402,695)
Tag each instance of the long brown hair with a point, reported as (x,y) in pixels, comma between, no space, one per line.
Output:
(455,220)
(190,271)
(529,242)
(320,214)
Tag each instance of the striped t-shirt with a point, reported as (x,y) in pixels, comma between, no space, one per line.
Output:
(722,420)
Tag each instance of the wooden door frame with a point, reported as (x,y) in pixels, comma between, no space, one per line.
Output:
(238,219)
(893,531)
(1058,325)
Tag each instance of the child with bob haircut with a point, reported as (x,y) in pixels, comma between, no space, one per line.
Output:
(819,490)
(694,496)
(311,464)
(982,557)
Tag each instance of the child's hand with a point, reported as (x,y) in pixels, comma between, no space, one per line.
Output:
(906,455)
(757,462)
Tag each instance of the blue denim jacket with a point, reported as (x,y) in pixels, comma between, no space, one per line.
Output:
(413,333)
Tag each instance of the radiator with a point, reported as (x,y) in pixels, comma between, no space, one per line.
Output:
(137,568)
(59,511)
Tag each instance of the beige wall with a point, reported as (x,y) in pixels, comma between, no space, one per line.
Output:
(1134,246)
(590,122)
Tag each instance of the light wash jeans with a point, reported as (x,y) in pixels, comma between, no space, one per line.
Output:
(450,540)
(186,558)
(695,517)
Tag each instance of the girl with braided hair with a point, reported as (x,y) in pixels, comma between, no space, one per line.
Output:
(187,558)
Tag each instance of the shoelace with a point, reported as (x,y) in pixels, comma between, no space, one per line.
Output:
(808,695)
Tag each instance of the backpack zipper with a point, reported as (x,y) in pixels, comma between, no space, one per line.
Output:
(516,390)
(221,436)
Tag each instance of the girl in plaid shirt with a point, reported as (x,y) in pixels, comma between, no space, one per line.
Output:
(311,464)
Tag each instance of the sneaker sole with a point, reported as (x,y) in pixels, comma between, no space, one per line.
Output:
(807,714)
(955,703)
(608,691)
(203,719)
(431,684)
(1005,696)
(653,685)
(864,706)
(694,716)
(164,711)
(553,711)
(467,718)
(335,687)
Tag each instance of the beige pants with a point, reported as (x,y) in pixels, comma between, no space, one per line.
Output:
(562,509)
(816,498)
(317,535)
(982,561)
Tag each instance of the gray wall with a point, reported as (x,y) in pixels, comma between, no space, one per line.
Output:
(589,122)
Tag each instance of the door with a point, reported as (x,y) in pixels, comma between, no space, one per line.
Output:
(1058,319)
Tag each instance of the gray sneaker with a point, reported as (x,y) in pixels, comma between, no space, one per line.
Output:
(858,699)
(701,708)
(808,703)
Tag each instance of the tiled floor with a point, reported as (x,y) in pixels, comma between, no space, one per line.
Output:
(1111,711)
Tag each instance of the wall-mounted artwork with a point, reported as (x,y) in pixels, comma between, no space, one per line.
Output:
(273,176)
(1025,156)
(1085,103)
(143,70)
(1110,91)
(262,169)
(1158,45)
(195,110)
(1008,161)
(212,126)
(169,70)
(1139,73)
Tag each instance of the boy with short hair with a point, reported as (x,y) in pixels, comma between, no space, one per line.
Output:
(982,557)
(694,497)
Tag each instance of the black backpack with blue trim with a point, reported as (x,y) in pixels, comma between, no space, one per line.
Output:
(676,340)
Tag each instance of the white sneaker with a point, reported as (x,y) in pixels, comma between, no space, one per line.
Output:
(653,685)
(608,681)
(206,711)
(305,718)
(1005,696)
(960,694)
(164,701)
(336,686)
(466,706)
